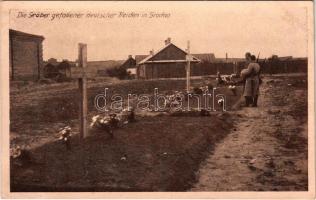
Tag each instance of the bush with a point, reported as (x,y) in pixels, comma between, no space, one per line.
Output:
(118,72)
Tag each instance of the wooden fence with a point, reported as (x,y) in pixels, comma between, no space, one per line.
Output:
(267,67)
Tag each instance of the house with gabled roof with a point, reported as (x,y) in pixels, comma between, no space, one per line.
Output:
(168,62)
(129,63)
(130,66)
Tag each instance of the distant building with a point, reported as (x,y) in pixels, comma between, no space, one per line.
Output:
(285,58)
(129,63)
(53,69)
(100,68)
(50,70)
(52,61)
(168,62)
(130,66)
(64,68)
(26,55)
(229,60)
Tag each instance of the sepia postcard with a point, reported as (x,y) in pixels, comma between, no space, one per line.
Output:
(161,99)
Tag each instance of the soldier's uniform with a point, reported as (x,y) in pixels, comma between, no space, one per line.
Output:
(251,76)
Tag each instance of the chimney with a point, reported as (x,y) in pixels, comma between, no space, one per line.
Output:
(168,41)
(151,52)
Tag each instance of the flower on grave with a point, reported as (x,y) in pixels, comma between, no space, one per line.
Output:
(65,133)
(220,101)
(15,152)
(233,89)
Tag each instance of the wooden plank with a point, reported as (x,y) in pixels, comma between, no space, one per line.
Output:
(79,72)
(189,57)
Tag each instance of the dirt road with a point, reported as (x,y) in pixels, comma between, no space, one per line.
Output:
(268,150)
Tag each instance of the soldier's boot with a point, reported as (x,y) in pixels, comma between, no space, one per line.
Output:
(255,101)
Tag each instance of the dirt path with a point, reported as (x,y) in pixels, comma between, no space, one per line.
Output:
(268,149)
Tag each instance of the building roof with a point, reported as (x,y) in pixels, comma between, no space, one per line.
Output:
(129,63)
(284,58)
(106,64)
(300,58)
(23,34)
(147,59)
(139,58)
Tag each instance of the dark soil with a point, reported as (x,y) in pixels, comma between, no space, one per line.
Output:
(161,154)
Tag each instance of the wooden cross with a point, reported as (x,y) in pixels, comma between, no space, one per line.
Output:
(80,73)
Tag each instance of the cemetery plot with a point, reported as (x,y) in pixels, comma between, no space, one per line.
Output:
(159,151)
(167,146)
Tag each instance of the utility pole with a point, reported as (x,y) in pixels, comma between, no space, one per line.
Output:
(188,70)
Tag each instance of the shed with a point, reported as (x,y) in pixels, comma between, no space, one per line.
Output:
(26,55)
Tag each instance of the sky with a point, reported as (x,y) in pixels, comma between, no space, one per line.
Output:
(211,27)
